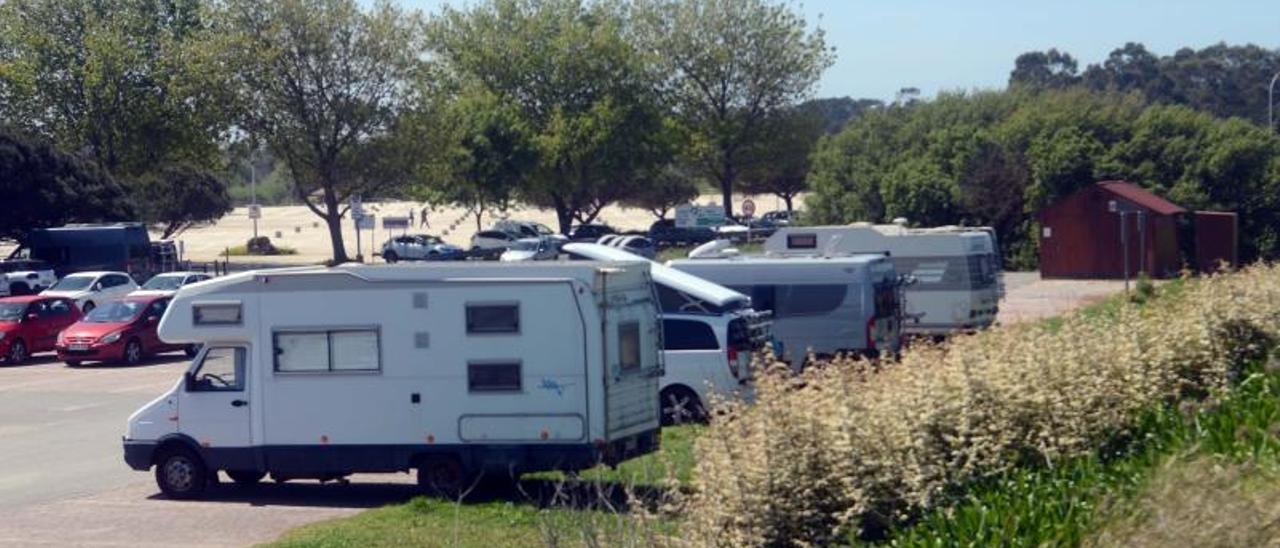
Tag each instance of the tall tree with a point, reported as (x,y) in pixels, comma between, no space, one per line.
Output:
(122,80)
(323,82)
(780,165)
(581,88)
(45,187)
(730,65)
(180,196)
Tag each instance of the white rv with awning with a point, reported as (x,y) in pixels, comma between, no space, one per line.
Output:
(451,369)
(956,270)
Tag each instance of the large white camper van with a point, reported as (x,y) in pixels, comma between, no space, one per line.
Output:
(709,334)
(956,269)
(449,369)
(825,305)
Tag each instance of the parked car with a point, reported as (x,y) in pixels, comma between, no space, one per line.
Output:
(530,229)
(591,232)
(25,276)
(424,247)
(30,324)
(665,233)
(168,283)
(121,330)
(89,289)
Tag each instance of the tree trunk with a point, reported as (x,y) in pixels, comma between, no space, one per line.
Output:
(333,218)
(726,190)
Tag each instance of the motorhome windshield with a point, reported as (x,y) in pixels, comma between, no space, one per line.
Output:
(120,311)
(11,312)
(164,283)
(73,283)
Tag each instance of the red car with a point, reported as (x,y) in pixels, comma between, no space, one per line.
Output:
(30,324)
(118,331)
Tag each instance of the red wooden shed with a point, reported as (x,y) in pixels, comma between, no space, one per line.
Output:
(1080,235)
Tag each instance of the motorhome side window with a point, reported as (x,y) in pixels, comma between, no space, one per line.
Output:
(221,370)
(216,314)
(493,376)
(629,346)
(325,351)
(493,318)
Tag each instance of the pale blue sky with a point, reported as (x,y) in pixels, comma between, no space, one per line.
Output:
(882,46)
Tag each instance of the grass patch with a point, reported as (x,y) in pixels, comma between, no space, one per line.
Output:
(545,509)
(1069,504)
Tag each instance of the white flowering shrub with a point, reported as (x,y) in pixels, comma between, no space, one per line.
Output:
(850,444)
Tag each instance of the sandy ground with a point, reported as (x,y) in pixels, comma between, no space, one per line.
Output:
(297,227)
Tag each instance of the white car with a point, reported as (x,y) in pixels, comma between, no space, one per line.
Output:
(89,289)
(25,276)
(168,283)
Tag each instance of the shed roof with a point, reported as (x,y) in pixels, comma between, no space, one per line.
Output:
(1141,197)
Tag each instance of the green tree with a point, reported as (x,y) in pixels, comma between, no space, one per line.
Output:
(44,187)
(780,164)
(123,80)
(323,82)
(180,196)
(731,64)
(582,90)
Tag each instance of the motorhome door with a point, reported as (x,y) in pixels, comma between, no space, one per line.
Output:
(214,408)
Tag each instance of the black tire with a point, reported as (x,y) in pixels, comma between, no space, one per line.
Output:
(17,352)
(180,473)
(132,352)
(88,307)
(680,405)
(73,363)
(191,350)
(391,256)
(246,477)
(444,476)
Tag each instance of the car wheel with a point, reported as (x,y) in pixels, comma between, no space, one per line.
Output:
(246,477)
(17,352)
(132,352)
(443,476)
(681,405)
(181,474)
(391,256)
(88,307)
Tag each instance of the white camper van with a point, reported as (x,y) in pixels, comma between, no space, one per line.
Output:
(449,369)
(826,305)
(709,335)
(956,270)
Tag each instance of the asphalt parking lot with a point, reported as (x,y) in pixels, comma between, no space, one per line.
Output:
(63,481)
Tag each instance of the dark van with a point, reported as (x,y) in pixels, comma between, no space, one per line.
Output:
(122,247)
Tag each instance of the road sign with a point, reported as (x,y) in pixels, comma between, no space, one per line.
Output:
(255,211)
(748,208)
(391,223)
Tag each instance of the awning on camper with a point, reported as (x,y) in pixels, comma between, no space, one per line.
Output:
(684,282)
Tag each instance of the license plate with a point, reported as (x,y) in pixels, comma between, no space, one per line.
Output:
(78,347)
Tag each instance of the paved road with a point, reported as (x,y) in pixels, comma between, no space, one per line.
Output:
(63,481)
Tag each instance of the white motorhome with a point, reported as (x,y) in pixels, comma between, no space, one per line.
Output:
(450,369)
(824,305)
(956,270)
(709,335)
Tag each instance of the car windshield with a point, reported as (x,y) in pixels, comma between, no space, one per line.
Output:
(11,312)
(73,283)
(164,283)
(119,311)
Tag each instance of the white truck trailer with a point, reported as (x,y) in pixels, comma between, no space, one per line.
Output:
(452,370)
(956,270)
